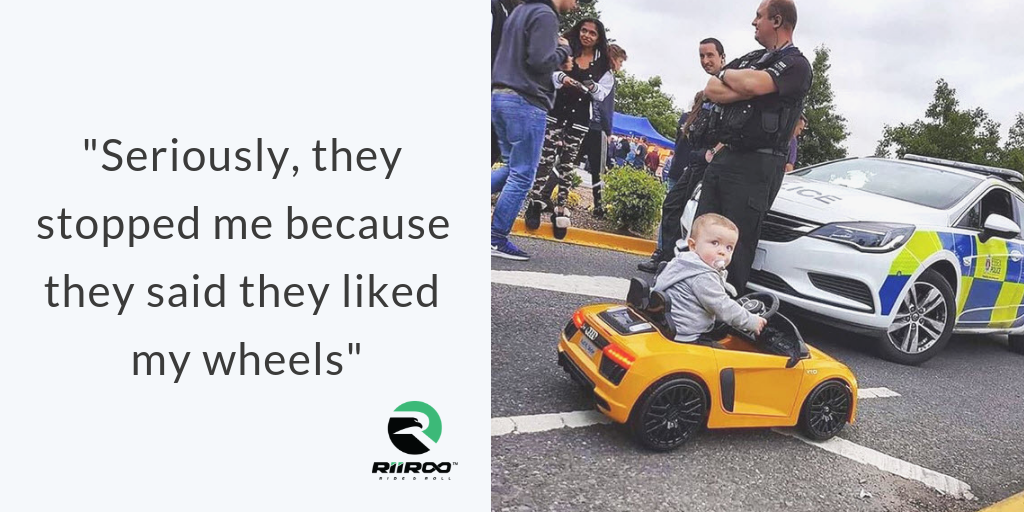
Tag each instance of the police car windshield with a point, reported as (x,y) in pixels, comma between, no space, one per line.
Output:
(926,186)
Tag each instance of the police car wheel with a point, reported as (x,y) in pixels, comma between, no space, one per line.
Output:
(669,413)
(1017,343)
(923,322)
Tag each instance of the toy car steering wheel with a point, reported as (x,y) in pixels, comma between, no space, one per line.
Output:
(759,303)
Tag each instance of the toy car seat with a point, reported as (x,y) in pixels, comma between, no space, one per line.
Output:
(655,307)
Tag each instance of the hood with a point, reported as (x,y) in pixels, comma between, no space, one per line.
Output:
(822,202)
(684,266)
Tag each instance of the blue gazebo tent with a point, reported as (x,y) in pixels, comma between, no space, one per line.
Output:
(634,126)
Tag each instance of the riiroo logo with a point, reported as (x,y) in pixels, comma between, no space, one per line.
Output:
(408,433)
(405,429)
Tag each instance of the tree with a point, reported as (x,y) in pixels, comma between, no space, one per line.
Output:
(645,98)
(963,135)
(822,140)
(1013,150)
(582,11)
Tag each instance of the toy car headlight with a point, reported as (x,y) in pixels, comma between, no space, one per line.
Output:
(866,236)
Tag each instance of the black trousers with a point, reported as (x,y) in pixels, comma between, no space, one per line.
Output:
(672,208)
(740,185)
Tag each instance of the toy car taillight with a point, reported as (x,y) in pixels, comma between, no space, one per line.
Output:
(577,318)
(619,356)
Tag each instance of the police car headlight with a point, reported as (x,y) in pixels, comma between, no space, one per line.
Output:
(866,236)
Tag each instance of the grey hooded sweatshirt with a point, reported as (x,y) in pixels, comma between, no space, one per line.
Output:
(698,294)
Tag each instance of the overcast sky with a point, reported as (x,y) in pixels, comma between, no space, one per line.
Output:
(885,56)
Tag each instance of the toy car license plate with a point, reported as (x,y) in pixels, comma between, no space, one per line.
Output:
(588,347)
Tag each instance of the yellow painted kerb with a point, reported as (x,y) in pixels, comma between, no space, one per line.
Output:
(1014,503)
(589,238)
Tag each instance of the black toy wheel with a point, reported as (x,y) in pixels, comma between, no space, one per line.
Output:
(826,410)
(669,414)
(1017,343)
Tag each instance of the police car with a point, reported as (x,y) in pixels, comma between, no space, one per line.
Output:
(909,251)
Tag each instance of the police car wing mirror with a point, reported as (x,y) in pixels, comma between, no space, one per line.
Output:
(998,225)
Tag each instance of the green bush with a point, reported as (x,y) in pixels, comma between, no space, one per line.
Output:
(633,199)
(574,180)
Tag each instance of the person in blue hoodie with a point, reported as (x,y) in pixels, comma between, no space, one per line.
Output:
(500,10)
(522,92)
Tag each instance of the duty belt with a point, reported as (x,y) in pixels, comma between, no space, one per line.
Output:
(766,151)
(770,151)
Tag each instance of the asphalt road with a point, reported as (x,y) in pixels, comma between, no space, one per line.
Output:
(960,414)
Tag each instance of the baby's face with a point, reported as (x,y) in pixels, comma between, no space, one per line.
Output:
(714,244)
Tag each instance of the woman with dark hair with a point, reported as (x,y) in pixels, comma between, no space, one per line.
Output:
(589,80)
(595,144)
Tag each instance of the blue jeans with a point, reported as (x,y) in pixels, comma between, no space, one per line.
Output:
(520,129)
(671,183)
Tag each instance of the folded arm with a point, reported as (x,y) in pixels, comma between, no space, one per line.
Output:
(739,85)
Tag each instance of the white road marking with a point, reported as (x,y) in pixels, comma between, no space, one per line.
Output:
(576,419)
(545,422)
(615,288)
(864,455)
(876,393)
(594,286)
(943,483)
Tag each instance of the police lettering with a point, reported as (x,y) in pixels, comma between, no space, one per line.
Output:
(811,193)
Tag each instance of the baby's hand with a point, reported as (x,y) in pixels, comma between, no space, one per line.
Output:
(761,322)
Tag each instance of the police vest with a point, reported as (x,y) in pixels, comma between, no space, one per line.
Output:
(697,129)
(763,122)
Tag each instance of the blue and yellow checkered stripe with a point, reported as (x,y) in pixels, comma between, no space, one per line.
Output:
(991,286)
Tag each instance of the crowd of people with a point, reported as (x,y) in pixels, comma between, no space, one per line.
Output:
(552,106)
(636,152)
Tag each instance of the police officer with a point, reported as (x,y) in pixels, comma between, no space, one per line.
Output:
(759,98)
(690,162)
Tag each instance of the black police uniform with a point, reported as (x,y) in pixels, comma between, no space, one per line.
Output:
(742,180)
(693,164)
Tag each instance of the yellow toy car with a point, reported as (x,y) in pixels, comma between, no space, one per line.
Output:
(667,390)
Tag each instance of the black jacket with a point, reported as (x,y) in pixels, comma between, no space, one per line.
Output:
(682,151)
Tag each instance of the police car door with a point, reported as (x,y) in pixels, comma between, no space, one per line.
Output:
(991,290)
